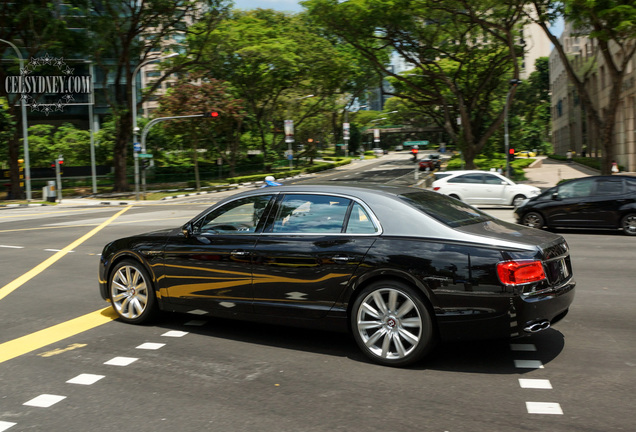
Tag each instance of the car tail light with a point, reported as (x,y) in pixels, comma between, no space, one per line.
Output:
(520,272)
(436,188)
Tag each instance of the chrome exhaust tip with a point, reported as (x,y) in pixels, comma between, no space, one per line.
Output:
(537,326)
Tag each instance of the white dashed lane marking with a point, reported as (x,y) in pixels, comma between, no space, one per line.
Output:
(528,364)
(45,400)
(10,247)
(85,379)
(121,361)
(544,408)
(538,384)
(150,346)
(535,383)
(6,425)
(175,333)
(523,347)
(196,323)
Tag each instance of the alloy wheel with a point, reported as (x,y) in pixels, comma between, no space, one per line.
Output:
(129,292)
(390,325)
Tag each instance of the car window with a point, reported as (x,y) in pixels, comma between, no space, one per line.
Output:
(491,179)
(467,178)
(576,189)
(236,217)
(609,186)
(445,209)
(305,214)
(630,185)
(441,175)
(360,222)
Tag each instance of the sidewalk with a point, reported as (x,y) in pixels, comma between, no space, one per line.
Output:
(546,172)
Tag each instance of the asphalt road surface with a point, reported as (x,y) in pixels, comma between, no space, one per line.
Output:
(67,365)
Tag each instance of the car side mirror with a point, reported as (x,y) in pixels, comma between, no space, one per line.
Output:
(186,230)
(555,196)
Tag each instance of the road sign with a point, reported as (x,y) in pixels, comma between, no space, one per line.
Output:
(145,155)
(417,143)
(137,147)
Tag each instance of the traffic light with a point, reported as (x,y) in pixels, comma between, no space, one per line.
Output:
(211,114)
(145,163)
(511,154)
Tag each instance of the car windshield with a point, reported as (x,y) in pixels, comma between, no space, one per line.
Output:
(445,209)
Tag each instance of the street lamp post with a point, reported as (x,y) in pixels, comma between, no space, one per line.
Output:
(134,118)
(25,135)
(513,85)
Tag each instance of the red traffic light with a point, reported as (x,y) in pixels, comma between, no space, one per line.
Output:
(212,114)
(511,151)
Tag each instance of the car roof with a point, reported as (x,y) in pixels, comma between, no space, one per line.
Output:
(614,176)
(351,188)
(458,172)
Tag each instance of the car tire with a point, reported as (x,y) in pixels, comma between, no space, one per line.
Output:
(391,324)
(131,292)
(533,220)
(516,201)
(628,223)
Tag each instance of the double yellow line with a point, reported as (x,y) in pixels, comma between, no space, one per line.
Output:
(31,342)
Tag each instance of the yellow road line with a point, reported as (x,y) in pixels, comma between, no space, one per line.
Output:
(21,280)
(56,333)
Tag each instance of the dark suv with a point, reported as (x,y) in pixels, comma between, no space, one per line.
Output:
(604,202)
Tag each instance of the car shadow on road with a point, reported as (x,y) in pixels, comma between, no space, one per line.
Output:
(482,357)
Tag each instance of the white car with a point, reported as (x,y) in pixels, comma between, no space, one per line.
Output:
(483,188)
(378,152)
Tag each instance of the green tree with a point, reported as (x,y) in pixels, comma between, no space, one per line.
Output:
(41,145)
(612,24)
(274,61)
(128,33)
(463,54)
(33,26)
(194,95)
(532,106)
(47,142)
(74,144)
(7,130)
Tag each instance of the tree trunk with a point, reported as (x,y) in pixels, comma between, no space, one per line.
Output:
(195,157)
(122,141)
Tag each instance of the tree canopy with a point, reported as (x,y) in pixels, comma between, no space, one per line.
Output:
(462,53)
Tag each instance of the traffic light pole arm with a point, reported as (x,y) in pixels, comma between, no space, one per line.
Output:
(153,122)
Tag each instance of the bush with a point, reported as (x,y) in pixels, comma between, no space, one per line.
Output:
(498,160)
(591,162)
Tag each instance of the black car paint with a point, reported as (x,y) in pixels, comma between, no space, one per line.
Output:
(452,268)
(595,211)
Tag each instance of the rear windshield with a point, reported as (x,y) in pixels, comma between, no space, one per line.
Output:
(445,209)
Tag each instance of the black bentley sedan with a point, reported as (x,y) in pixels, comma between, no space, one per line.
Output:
(400,268)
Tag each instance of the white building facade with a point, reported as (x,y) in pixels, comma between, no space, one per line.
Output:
(572,128)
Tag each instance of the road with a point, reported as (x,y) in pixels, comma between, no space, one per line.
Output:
(66,365)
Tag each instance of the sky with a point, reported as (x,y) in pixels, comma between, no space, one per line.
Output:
(281,5)
(294,6)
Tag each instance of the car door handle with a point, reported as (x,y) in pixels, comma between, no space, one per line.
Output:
(341,259)
(239,253)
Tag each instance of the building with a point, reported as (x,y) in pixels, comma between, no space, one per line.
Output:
(572,129)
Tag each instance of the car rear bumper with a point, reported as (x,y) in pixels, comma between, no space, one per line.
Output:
(524,312)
